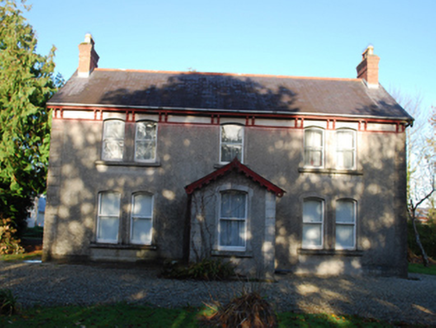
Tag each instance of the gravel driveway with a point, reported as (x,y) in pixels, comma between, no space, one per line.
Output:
(410,300)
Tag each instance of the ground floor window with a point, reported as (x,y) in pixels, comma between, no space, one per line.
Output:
(141,219)
(108,217)
(345,224)
(313,219)
(233,220)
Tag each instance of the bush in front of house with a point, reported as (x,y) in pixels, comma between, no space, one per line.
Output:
(246,311)
(206,269)
(8,302)
(8,243)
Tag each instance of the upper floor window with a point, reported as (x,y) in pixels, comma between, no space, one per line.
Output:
(233,220)
(145,141)
(345,224)
(313,221)
(141,219)
(313,147)
(108,217)
(113,140)
(232,142)
(345,149)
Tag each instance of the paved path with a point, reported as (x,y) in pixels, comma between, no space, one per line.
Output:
(393,299)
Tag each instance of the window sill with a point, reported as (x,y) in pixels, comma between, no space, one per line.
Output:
(119,246)
(227,253)
(340,252)
(329,171)
(140,164)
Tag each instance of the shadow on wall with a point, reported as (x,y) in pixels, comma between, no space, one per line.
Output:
(381,203)
(74,159)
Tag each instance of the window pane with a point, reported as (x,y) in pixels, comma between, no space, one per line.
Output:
(114,129)
(141,231)
(233,205)
(345,211)
(113,149)
(344,139)
(229,152)
(109,204)
(231,133)
(232,233)
(145,150)
(107,228)
(142,205)
(313,138)
(312,211)
(313,157)
(312,235)
(345,159)
(145,130)
(344,236)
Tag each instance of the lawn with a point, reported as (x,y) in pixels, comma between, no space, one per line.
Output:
(128,315)
(420,268)
(35,255)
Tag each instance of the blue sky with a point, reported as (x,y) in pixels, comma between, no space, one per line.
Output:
(296,38)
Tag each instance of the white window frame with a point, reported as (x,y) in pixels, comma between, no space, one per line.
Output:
(314,148)
(133,217)
(104,141)
(317,223)
(100,215)
(350,223)
(352,149)
(230,143)
(220,218)
(153,159)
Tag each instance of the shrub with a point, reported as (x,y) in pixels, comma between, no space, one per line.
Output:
(206,269)
(246,311)
(8,243)
(8,302)
(35,232)
(427,235)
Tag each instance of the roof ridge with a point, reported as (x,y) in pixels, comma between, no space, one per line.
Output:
(230,74)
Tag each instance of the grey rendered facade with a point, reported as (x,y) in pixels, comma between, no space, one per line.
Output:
(342,210)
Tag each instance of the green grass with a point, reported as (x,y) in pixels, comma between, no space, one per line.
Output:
(36,255)
(128,315)
(420,268)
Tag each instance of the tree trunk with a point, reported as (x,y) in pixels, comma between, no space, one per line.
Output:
(418,242)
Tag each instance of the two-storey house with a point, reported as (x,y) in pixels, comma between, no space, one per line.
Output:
(275,173)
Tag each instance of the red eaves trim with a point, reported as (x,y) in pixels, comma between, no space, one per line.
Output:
(240,168)
(217,114)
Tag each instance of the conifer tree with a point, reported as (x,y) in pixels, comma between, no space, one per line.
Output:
(26,83)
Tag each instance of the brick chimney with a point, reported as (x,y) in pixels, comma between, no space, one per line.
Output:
(88,58)
(368,67)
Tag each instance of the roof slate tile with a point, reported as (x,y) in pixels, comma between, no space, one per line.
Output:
(228,92)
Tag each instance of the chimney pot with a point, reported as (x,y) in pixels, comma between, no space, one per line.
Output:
(88,57)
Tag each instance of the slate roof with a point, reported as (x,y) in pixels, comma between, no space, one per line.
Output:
(237,166)
(229,92)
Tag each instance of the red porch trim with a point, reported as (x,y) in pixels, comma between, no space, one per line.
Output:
(240,168)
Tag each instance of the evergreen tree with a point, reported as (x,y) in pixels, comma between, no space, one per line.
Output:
(26,83)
